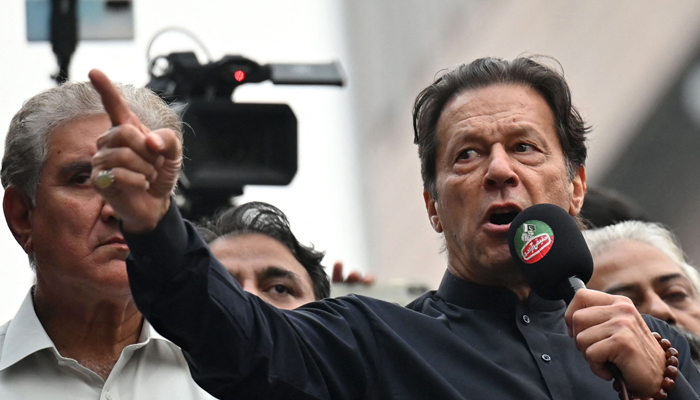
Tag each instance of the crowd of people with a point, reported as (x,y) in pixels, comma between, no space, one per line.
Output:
(88,172)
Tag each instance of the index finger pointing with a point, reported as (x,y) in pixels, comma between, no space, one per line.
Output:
(115,105)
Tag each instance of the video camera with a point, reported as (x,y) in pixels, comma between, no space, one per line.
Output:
(229,145)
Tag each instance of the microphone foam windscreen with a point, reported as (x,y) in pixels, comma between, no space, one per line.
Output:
(548,247)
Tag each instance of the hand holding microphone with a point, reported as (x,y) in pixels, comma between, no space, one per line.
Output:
(552,254)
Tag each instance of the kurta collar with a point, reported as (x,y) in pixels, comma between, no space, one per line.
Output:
(472,295)
(25,335)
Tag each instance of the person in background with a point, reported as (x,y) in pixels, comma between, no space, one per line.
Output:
(603,207)
(256,245)
(644,261)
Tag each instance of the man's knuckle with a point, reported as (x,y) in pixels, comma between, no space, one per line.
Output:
(124,156)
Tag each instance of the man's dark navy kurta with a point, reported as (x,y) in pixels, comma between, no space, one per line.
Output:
(464,341)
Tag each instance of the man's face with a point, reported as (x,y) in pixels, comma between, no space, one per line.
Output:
(654,282)
(498,153)
(75,236)
(265,267)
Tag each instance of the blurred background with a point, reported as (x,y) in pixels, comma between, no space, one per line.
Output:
(633,65)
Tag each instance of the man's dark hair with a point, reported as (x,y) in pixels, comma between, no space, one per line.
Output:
(268,220)
(484,72)
(603,207)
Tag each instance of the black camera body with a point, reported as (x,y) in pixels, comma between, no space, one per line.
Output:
(229,145)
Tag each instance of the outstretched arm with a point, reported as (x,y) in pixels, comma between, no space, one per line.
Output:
(237,345)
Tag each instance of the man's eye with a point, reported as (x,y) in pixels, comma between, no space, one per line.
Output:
(676,297)
(467,154)
(524,148)
(281,289)
(81,179)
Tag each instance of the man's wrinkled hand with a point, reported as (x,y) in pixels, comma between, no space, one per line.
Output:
(609,328)
(145,164)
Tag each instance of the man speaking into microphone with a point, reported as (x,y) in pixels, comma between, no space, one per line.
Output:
(494,138)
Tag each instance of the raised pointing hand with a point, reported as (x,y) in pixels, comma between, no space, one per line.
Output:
(145,164)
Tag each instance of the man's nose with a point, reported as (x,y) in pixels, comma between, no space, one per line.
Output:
(500,172)
(658,308)
(107,213)
(251,287)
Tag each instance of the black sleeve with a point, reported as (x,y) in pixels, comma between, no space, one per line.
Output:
(688,380)
(237,345)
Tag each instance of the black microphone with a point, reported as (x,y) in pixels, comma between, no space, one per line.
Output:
(549,248)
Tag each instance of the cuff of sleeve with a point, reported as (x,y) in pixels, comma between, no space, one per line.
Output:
(159,253)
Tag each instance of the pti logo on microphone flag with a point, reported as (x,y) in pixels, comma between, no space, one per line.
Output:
(533,240)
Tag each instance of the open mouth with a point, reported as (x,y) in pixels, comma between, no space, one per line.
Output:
(502,218)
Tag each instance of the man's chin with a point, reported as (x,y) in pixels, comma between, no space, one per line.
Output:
(111,253)
(501,268)
(499,258)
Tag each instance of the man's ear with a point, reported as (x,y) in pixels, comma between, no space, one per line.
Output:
(431,207)
(18,209)
(579,192)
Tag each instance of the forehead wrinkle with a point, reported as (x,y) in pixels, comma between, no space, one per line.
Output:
(467,116)
(503,122)
(475,112)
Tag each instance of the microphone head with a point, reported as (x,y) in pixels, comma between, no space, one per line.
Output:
(548,247)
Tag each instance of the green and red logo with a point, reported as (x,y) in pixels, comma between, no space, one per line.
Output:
(533,240)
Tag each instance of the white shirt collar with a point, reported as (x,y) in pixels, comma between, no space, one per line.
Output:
(25,335)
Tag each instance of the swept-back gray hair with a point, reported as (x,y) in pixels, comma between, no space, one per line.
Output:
(645,232)
(26,144)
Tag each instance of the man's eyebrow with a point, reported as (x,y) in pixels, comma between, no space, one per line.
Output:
(276,272)
(666,278)
(77,166)
(621,288)
(631,287)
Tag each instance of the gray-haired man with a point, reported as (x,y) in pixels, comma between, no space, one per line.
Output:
(78,334)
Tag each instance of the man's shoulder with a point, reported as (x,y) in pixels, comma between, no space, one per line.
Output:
(3,328)
(661,327)
(3,334)
(358,306)
(353,302)
(656,325)
(419,303)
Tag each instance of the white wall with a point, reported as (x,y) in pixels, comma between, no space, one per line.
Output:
(322,201)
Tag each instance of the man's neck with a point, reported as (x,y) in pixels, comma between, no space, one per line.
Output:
(91,331)
(514,283)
